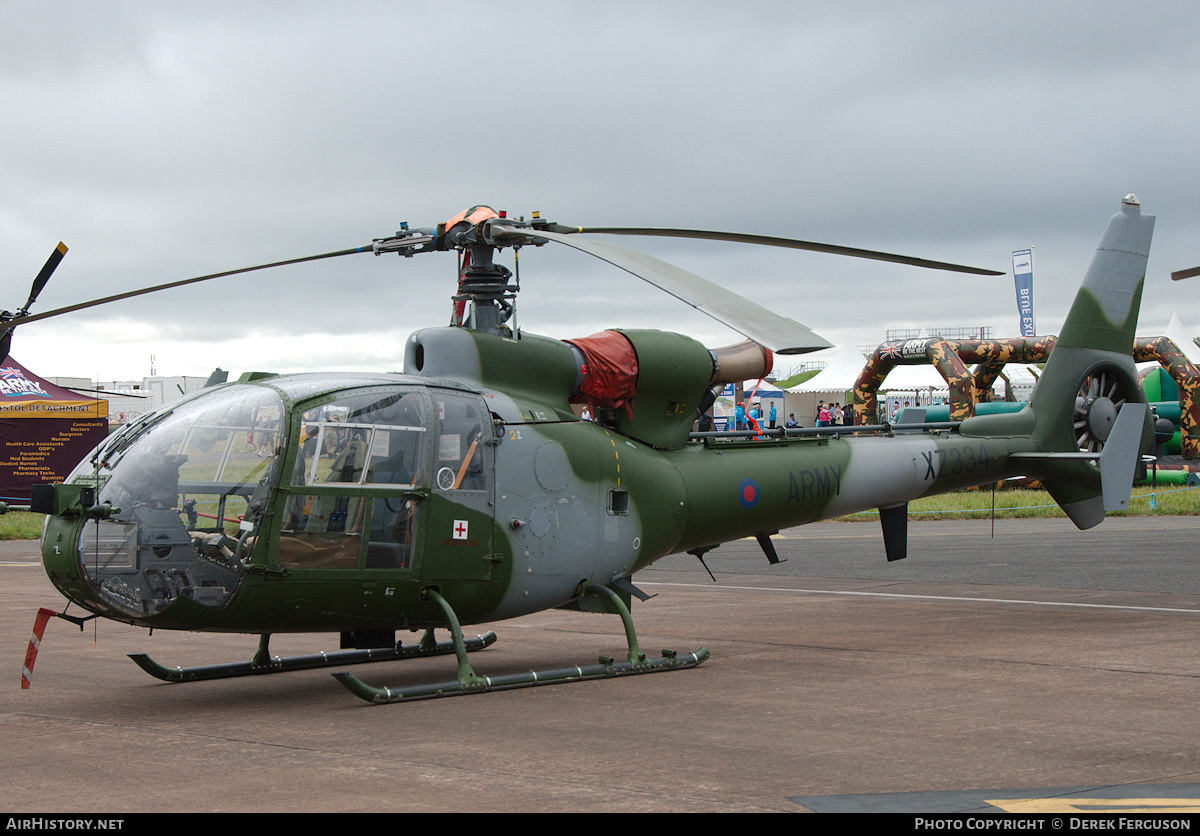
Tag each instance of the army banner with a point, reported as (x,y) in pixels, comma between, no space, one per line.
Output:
(45,430)
(1022,261)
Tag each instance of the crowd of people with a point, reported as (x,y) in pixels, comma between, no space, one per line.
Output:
(833,415)
(753,420)
(827,415)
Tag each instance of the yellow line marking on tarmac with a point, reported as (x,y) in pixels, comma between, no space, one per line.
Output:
(1111,806)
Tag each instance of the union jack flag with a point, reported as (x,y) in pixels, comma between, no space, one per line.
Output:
(14,383)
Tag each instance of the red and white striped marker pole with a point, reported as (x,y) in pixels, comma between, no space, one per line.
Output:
(35,641)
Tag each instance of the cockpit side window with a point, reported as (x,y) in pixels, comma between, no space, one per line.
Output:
(460,456)
(364,440)
(372,442)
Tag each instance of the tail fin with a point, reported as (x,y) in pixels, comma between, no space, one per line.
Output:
(1090,378)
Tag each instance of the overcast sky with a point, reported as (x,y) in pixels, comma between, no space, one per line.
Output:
(164,140)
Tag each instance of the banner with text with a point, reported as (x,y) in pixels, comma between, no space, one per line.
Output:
(1023,276)
(45,430)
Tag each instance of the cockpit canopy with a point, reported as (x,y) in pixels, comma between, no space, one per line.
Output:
(343,462)
(221,443)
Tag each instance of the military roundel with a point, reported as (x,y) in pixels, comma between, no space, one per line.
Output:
(748,493)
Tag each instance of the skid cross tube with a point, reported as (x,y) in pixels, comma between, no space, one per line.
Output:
(469,682)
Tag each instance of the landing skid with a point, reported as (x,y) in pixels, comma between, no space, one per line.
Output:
(469,682)
(606,668)
(264,663)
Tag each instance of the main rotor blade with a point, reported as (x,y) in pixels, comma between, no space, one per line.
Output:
(1185,274)
(765,327)
(44,275)
(130,294)
(790,243)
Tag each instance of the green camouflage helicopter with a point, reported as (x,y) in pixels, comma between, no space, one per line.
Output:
(467,490)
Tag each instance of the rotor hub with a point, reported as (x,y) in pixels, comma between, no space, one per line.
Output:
(1100,397)
(1101,414)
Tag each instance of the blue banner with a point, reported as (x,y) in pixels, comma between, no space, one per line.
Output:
(1023,277)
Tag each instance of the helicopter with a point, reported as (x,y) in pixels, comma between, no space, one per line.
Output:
(468,490)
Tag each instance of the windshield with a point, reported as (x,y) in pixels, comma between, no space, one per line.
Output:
(182,481)
(217,446)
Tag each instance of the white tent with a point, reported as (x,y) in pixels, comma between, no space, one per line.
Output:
(844,364)
(1182,338)
(921,376)
(844,368)
(761,390)
(1177,334)
(841,373)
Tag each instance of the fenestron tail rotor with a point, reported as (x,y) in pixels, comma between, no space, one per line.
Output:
(9,320)
(1100,397)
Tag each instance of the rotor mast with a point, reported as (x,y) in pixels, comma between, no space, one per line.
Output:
(484,286)
(485,300)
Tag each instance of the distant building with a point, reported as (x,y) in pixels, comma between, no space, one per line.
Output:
(978,332)
(130,399)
